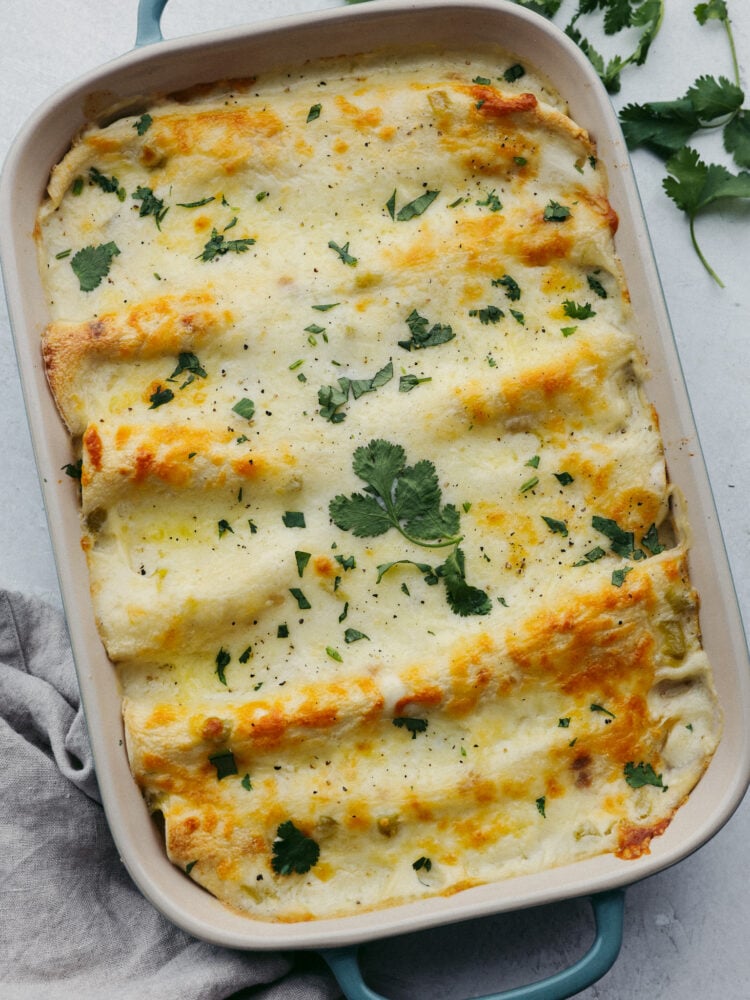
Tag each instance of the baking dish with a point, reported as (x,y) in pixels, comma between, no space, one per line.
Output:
(123,85)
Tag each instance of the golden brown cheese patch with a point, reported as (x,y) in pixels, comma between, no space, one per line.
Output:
(495,667)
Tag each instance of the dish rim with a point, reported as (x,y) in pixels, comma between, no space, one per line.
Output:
(137,73)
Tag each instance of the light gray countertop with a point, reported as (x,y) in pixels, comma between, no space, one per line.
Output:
(687,929)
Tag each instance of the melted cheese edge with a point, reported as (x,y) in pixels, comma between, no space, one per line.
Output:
(532,418)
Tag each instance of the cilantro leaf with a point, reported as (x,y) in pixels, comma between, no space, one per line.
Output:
(412,726)
(224,763)
(737,138)
(638,775)
(713,10)
(293,851)
(462,597)
(343,253)
(555,212)
(429,573)
(416,207)
(187,362)
(621,542)
(219,245)
(576,311)
(331,398)
(511,286)
(407,499)
(223,660)
(150,205)
(421,336)
(662,126)
(143,124)
(490,314)
(244,408)
(159,397)
(694,185)
(714,98)
(91,264)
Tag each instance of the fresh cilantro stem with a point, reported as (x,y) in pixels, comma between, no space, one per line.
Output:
(701,257)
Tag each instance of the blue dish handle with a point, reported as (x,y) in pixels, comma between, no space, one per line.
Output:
(149,21)
(608,914)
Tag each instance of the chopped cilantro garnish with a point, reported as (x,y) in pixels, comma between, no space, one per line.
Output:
(314,112)
(246,783)
(596,286)
(354,635)
(302,559)
(302,602)
(556,527)
(293,851)
(245,654)
(225,526)
(244,408)
(334,654)
(422,862)
(512,289)
(576,311)
(638,775)
(224,763)
(412,209)
(408,382)
(110,185)
(563,478)
(143,124)
(219,245)
(601,709)
(343,253)
(491,201)
(293,519)
(223,659)
(618,575)
(412,726)
(282,632)
(529,484)
(150,205)
(592,556)
(621,542)
(187,362)
(651,542)
(541,804)
(196,204)
(74,470)
(555,212)
(160,397)
(514,72)
(421,336)
(331,397)
(490,314)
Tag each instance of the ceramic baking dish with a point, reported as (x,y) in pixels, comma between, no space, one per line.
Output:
(123,86)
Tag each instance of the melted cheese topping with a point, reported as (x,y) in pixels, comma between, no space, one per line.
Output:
(248,289)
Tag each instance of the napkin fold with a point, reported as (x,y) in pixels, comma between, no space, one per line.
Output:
(73,926)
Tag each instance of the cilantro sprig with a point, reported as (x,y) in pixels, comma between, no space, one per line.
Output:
(398,496)
(408,498)
(666,128)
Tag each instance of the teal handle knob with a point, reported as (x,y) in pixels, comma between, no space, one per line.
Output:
(149,22)
(608,910)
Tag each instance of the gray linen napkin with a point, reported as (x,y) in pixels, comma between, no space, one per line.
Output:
(72,923)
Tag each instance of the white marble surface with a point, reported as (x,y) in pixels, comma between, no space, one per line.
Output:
(687,930)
